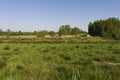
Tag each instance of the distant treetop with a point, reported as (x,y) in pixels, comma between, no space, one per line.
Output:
(108,28)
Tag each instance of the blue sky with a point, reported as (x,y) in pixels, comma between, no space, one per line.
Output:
(30,15)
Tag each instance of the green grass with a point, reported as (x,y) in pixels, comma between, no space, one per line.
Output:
(61,61)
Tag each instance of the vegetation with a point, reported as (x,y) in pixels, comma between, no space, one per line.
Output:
(109,28)
(42,33)
(52,33)
(60,61)
(64,30)
(33,56)
(67,30)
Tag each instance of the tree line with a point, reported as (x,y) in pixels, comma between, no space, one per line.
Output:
(63,30)
(108,28)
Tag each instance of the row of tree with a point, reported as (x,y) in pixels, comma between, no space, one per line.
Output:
(15,33)
(63,30)
(108,28)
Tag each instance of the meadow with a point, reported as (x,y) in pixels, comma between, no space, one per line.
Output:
(60,59)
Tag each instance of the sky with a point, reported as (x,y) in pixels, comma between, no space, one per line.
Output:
(31,15)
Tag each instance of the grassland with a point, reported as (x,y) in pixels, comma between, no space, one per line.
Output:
(60,59)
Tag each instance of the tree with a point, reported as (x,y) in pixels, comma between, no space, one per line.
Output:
(108,28)
(52,33)
(65,30)
(68,30)
(42,33)
(75,31)
(1,31)
(19,32)
(35,32)
(8,33)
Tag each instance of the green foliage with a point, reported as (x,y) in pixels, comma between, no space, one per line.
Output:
(109,28)
(8,33)
(65,30)
(75,31)
(42,33)
(68,30)
(1,31)
(52,33)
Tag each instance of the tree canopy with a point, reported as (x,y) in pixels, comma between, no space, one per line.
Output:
(108,28)
(42,33)
(68,30)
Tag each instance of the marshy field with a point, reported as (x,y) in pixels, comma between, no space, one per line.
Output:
(60,59)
